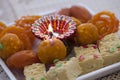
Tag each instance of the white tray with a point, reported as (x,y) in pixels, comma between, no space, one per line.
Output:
(90,76)
(5,73)
(100,72)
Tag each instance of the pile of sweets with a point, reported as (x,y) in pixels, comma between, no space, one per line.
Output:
(88,58)
(95,34)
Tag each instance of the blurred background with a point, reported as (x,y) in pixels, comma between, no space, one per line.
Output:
(13,9)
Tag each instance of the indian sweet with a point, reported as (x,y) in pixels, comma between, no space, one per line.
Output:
(64,11)
(22,58)
(109,47)
(20,32)
(78,22)
(2,26)
(26,23)
(87,33)
(36,71)
(66,71)
(10,43)
(106,22)
(89,58)
(51,49)
(80,13)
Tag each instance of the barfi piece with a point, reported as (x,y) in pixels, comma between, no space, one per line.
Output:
(52,74)
(70,70)
(109,48)
(87,49)
(35,71)
(89,58)
(66,70)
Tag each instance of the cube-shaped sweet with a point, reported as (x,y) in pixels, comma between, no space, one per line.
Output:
(87,49)
(68,70)
(35,71)
(109,48)
(52,74)
(89,58)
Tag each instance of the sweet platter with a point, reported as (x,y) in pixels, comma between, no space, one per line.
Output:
(70,44)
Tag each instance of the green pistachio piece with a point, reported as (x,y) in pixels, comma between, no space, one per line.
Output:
(42,78)
(112,50)
(58,65)
(118,46)
(32,79)
(1,46)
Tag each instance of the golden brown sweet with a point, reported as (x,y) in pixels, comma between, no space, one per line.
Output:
(87,33)
(78,22)
(26,22)
(51,49)
(21,59)
(80,13)
(2,26)
(106,22)
(20,32)
(10,43)
(64,11)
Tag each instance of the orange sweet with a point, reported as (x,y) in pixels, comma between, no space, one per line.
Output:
(106,22)
(21,59)
(87,33)
(78,22)
(81,13)
(77,11)
(10,43)
(26,22)
(2,26)
(20,32)
(64,11)
(51,49)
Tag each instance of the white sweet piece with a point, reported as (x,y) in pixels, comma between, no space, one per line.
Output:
(110,49)
(35,71)
(91,48)
(51,74)
(68,70)
(89,58)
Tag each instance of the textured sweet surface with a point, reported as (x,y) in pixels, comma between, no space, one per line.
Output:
(89,58)
(68,70)
(109,48)
(109,6)
(35,71)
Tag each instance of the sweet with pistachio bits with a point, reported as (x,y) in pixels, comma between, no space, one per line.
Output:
(112,50)
(1,46)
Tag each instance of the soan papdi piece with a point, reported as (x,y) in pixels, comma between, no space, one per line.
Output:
(35,71)
(68,70)
(110,49)
(89,58)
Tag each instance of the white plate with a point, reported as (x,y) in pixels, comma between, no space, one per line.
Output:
(89,76)
(100,72)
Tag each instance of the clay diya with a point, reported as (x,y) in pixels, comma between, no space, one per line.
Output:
(62,27)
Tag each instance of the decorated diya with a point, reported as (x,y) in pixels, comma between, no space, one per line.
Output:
(58,26)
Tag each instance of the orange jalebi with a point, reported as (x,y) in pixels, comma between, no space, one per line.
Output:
(26,22)
(2,26)
(106,22)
